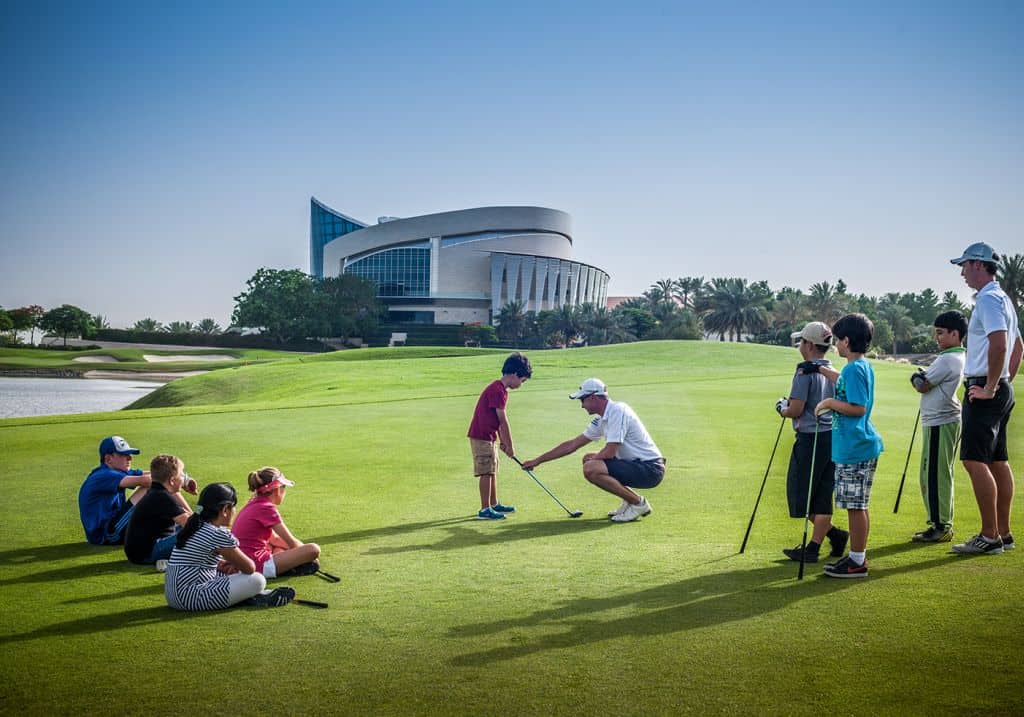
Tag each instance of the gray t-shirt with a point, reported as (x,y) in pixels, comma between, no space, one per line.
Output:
(941,405)
(812,389)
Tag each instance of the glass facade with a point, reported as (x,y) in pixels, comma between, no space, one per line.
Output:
(403,271)
(325,226)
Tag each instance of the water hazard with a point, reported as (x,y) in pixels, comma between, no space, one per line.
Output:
(52,396)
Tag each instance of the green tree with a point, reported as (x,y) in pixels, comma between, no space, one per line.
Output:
(635,316)
(898,318)
(282,303)
(208,326)
(1010,273)
(825,303)
(99,321)
(951,302)
(26,318)
(6,322)
(148,324)
(736,307)
(511,322)
(598,326)
(688,290)
(350,304)
(789,311)
(180,327)
(67,320)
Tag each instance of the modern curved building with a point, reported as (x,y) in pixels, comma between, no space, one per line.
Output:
(458,267)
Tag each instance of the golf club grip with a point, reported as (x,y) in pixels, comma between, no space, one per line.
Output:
(309,603)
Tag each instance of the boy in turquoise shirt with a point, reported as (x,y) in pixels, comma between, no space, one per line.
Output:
(855,443)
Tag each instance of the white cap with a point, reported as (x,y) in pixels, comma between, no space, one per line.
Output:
(591,387)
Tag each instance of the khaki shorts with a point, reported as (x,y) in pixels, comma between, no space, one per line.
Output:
(485,457)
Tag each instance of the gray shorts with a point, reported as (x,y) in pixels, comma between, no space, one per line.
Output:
(853,484)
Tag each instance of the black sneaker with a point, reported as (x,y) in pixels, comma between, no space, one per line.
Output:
(1008,543)
(278,597)
(810,553)
(979,545)
(304,569)
(838,543)
(934,534)
(846,568)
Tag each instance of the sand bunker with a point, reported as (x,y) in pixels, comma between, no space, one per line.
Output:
(189,357)
(95,359)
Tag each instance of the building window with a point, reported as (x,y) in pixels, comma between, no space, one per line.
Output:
(397,272)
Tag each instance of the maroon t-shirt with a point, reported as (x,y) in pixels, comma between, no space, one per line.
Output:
(485,418)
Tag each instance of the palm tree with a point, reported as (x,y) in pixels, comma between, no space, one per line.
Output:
(208,326)
(180,327)
(1010,273)
(511,322)
(951,302)
(824,302)
(148,324)
(99,321)
(898,317)
(789,310)
(736,307)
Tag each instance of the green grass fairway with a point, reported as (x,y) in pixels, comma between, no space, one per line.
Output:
(130,360)
(537,615)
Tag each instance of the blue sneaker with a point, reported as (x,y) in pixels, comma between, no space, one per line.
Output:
(490,514)
(499,508)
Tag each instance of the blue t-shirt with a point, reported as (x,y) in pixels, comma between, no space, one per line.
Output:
(100,498)
(854,440)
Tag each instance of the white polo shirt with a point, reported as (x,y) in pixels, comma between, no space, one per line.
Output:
(993,311)
(620,424)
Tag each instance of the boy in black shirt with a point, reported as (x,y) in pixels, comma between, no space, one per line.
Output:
(158,517)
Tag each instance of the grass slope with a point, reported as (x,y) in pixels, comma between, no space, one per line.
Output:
(441,614)
(131,360)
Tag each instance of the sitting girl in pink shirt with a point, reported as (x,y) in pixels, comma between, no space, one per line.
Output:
(262,534)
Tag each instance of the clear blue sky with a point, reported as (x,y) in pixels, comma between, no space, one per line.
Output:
(155,155)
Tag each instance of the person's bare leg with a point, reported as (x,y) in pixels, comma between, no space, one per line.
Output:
(486,490)
(1003,475)
(985,494)
(596,472)
(859,527)
(821,523)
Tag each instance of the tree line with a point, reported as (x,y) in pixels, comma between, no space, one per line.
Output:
(288,305)
(735,309)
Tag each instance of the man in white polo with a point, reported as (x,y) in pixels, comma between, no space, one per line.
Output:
(629,459)
(994,349)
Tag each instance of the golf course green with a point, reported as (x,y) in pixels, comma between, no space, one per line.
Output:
(441,614)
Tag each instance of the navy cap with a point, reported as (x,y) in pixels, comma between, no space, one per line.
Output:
(116,444)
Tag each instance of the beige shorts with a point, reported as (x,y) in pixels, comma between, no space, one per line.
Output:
(485,457)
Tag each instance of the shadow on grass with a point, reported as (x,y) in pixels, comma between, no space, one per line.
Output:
(400,529)
(688,604)
(77,572)
(102,623)
(491,532)
(47,553)
(144,590)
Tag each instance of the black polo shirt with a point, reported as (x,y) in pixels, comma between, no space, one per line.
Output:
(152,519)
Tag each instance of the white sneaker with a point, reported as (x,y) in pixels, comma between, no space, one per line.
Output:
(161,566)
(632,512)
(622,506)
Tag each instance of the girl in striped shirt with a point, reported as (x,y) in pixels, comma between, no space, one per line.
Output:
(206,570)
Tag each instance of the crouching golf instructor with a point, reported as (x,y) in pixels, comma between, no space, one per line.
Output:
(629,459)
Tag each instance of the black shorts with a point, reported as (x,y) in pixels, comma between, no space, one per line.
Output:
(984,424)
(799,475)
(636,474)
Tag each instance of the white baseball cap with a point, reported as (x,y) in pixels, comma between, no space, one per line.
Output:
(591,387)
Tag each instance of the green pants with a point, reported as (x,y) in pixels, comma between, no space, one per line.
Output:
(937,457)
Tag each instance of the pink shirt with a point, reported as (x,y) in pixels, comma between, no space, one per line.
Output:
(253,528)
(484,426)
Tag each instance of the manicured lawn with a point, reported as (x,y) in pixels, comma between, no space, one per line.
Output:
(132,360)
(441,614)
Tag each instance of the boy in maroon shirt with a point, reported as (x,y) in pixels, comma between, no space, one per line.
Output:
(490,424)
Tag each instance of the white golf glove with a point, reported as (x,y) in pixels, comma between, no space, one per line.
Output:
(781,405)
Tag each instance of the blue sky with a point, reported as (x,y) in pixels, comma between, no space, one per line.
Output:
(156,155)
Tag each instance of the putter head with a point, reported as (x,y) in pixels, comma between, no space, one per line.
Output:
(576,514)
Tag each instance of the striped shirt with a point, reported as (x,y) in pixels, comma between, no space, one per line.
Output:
(192,581)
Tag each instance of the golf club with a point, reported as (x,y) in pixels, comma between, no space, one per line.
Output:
(572,514)
(899,493)
(310,603)
(760,492)
(807,513)
(324,575)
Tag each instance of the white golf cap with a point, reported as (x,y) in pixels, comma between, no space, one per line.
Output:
(591,387)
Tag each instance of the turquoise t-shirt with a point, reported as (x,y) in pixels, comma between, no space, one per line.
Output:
(854,440)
